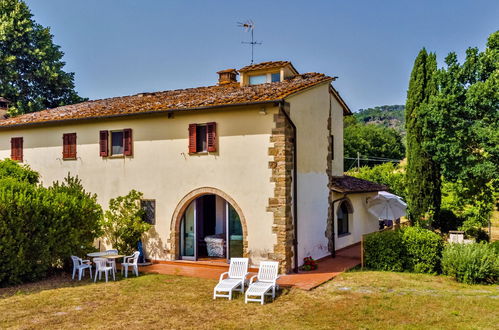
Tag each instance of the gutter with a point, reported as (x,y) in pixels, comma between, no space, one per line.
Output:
(282,106)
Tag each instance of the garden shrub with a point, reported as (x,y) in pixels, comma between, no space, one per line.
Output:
(41,227)
(471,263)
(384,251)
(12,169)
(123,223)
(423,250)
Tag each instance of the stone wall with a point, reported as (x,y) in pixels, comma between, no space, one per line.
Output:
(281,203)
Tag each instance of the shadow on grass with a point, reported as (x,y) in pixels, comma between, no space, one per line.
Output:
(57,280)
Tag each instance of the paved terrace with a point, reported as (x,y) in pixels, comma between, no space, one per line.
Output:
(328,268)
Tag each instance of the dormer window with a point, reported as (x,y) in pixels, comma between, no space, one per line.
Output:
(257,80)
(265,78)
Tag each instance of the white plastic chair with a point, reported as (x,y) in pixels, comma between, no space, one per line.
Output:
(80,266)
(102,267)
(131,261)
(112,262)
(265,284)
(236,278)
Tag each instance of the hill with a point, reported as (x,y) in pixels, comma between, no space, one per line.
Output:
(385,115)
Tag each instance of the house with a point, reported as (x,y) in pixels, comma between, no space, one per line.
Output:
(250,167)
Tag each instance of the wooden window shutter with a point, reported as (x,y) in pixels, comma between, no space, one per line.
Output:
(65,146)
(72,145)
(211,136)
(16,149)
(192,138)
(103,143)
(127,142)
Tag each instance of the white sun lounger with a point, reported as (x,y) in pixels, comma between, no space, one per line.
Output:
(265,284)
(238,270)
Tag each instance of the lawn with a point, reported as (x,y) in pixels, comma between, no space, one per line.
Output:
(352,300)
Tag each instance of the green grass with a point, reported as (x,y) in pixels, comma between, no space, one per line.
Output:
(353,300)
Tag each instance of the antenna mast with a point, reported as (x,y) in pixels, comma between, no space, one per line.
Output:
(249,26)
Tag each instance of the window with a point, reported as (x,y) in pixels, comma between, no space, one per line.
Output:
(265,78)
(121,143)
(16,149)
(69,146)
(256,80)
(202,138)
(149,207)
(343,219)
(117,143)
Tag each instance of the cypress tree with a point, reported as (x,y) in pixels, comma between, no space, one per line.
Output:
(31,66)
(423,173)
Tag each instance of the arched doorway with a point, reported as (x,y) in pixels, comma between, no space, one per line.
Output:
(209,226)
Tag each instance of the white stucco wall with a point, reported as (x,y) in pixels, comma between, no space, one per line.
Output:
(161,167)
(310,112)
(360,221)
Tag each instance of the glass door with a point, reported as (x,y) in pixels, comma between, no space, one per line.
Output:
(188,249)
(234,233)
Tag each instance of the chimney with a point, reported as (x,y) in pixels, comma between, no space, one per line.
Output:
(4,106)
(227,76)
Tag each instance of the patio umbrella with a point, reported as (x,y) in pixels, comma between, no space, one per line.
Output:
(386,206)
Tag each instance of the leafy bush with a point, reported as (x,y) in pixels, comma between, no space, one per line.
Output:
(123,224)
(12,169)
(423,250)
(40,227)
(384,251)
(471,263)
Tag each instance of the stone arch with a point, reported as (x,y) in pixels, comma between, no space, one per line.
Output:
(182,206)
(333,215)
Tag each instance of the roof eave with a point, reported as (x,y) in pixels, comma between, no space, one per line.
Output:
(137,114)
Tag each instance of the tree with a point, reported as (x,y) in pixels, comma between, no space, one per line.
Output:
(387,174)
(371,141)
(123,223)
(462,132)
(31,66)
(423,173)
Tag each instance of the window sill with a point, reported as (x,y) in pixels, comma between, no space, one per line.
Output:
(344,235)
(72,158)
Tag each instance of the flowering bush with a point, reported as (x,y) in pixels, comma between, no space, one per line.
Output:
(309,264)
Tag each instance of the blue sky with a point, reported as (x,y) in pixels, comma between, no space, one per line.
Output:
(122,47)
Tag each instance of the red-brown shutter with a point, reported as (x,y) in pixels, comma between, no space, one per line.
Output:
(72,144)
(192,138)
(65,146)
(211,136)
(16,149)
(103,143)
(127,142)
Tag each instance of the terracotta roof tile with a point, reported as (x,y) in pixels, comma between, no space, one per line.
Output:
(349,184)
(265,66)
(182,99)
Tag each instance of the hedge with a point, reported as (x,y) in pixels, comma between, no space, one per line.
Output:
(384,251)
(412,249)
(423,250)
(41,227)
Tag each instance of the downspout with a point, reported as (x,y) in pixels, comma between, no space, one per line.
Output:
(333,253)
(282,104)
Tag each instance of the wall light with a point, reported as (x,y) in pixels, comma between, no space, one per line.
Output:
(262,111)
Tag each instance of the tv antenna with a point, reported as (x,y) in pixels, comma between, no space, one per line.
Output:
(249,26)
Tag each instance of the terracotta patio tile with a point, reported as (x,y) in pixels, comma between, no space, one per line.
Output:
(328,268)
